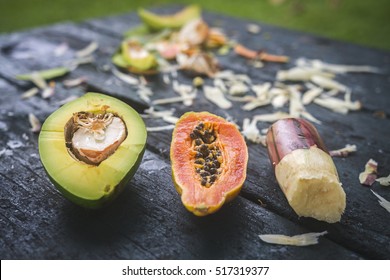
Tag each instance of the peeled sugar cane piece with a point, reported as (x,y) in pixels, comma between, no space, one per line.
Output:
(305,171)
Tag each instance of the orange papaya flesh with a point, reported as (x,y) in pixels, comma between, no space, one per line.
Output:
(209,160)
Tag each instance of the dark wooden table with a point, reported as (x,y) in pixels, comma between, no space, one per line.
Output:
(148,220)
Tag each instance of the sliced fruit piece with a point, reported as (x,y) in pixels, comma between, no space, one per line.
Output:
(138,57)
(209,160)
(305,171)
(91,147)
(158,22)
(194,32)
(199,63)
(118,60)
(45,74)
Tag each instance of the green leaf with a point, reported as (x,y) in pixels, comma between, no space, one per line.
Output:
(45,74)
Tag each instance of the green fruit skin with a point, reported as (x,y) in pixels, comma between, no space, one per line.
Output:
(157,22)
(116,190)
(45,74)
(118,60)
(104,200)
(142,64)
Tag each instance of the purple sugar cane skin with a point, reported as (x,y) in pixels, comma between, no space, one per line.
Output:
(291,134)
(305,171)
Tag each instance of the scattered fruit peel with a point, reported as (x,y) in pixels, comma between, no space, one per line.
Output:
(261,90)
(336,68)
(75,82)
(88,50)
(170,119)
(306,115)
(125,77)
(245,52)
(384,181)
(193,33)
(255,103)
(167,115)
(144,93)
(251,132)
(160,128)
(327,83)
(264,56)
(238,88)
(184,91)
(305,239)
(48,91)
(383,202)
(216,96)
(261,55)
(253,28)
(296,106)
(30,93)
(311,94)
(301,74)
(175,99)
(338,105)
(34,123)
(343,152)
(273,117)
(369,175)
(278,101)
(199,63)
(217,39)
(152,113)
(44,74)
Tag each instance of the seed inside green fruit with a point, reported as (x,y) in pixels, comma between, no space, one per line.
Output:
(91,147)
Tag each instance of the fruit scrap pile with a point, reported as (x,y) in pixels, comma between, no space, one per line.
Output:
(183,37)
(183,41)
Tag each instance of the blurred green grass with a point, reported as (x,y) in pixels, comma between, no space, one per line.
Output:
(358,21)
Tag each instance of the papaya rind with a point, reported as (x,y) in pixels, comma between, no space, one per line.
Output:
(203,210)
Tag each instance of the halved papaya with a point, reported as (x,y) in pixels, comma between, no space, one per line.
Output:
(209,159)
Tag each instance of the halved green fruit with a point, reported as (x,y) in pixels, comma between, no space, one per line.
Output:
(135,58)
(138,57)
(91,185)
